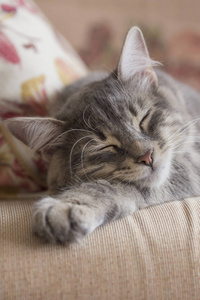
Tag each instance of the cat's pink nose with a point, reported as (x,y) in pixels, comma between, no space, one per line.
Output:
(146,158)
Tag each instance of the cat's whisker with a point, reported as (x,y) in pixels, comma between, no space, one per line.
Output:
(65,132)
(181,131)
(181,135)
(178,138)
(175,152)
(112,178)
(78,179)
(87,123)
(181,144)
(71,152)
(177,143)
(82,158)
(128,183)
(191,139)
(175,137)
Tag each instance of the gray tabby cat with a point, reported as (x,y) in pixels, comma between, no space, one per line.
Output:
(116,143)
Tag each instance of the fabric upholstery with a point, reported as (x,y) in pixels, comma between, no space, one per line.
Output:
(154,254)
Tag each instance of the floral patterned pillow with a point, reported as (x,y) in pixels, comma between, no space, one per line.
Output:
(35,63)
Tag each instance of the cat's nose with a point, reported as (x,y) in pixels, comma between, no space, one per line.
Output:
(147,158)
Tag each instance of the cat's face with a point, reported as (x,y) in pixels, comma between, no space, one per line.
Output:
(119,128)
(114,126)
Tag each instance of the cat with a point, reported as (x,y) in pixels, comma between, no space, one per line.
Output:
(115,143)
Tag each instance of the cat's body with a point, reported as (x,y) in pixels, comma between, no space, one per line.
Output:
(115,143)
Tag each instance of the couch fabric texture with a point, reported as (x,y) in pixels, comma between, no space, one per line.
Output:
(154,254)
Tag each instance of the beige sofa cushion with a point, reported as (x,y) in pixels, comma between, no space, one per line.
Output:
(154,254)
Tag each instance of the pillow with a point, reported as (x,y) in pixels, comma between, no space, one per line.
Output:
(35,63)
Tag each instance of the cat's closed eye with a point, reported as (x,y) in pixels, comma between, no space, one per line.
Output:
(114,147)
(142,121)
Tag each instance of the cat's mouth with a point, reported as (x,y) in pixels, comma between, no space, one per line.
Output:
(156,175)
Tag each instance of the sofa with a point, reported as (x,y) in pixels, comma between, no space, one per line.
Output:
(153,254)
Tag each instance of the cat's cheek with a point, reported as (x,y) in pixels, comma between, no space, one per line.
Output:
(160,174)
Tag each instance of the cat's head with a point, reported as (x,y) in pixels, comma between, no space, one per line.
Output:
(118,128)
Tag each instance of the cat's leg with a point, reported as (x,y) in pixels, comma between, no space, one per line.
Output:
(80,210)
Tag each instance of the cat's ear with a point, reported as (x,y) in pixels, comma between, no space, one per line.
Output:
(135,58)
(37,133)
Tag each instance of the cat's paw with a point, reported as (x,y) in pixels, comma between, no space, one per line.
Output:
(62,222)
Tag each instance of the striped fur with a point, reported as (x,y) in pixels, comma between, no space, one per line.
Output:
(99,129)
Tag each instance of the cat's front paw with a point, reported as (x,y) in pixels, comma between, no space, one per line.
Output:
(62,222)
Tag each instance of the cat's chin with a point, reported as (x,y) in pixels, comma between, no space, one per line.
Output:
(157,176)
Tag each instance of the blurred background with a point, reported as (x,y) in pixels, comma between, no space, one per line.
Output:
(96,29)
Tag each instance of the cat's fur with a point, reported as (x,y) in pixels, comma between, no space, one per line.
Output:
(115,143)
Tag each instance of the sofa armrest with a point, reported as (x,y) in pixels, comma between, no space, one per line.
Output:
(154,254)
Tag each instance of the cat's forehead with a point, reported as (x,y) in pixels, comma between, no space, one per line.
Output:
(113,92)
(116,87)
